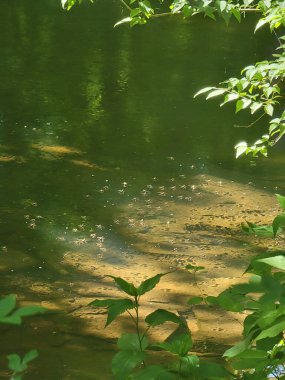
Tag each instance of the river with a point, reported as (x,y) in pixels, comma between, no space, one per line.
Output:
(103,150)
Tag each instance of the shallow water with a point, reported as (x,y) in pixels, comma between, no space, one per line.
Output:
(103,147)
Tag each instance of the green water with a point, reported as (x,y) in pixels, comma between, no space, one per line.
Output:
(118,106)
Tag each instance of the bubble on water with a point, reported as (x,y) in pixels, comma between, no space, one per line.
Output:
(144,192)
(80,241)
(61,238)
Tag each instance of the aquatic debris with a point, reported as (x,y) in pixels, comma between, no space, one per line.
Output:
(27,202)
(80,241)
(88,164)
(56,149)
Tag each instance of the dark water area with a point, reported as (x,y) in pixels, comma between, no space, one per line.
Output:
(92,117)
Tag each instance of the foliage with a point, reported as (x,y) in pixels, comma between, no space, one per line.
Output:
(260,355)
(269,230)
(259,89)
(10,315)
(131,361)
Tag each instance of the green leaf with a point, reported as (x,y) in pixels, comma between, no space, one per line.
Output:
(130,342)
(123,21)
(272,331)
(15,363)
(212,300)
(146,7)
(29,356)
(208,370)
(260,23)
(248,363)
(255,106)
(275,261)
(239,105)
(125,361)
(134,13)
(236,14)
(206,89)
(115,307)
(278,222)
(194,267)
(230,301)
(181,344)
(241,148)
(149,284)
(195,300)
(223,5)
(7,304)
(217,92)
(252,354)
(160,316)
(154,372)
(125,286)
(281,201)
(268,108)
(28,311)
(239,347)
(230,97)
(190,364)
(242,104)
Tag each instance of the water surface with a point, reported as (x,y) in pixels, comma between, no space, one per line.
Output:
(93,119)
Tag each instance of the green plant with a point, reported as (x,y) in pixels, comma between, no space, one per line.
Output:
(259,355)
(276,228)
(131,361)
(9,314)
(262,298)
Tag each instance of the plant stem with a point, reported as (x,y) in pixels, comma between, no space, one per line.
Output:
(132,317)
(251,124)
(179,371)
(137,326)
(126,5)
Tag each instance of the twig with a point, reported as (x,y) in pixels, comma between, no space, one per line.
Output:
(126,5)
(251,124)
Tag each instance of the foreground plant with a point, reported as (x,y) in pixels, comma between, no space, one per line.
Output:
(261,353)
(272,230)
(131,362)
(259,356)
(11,315)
